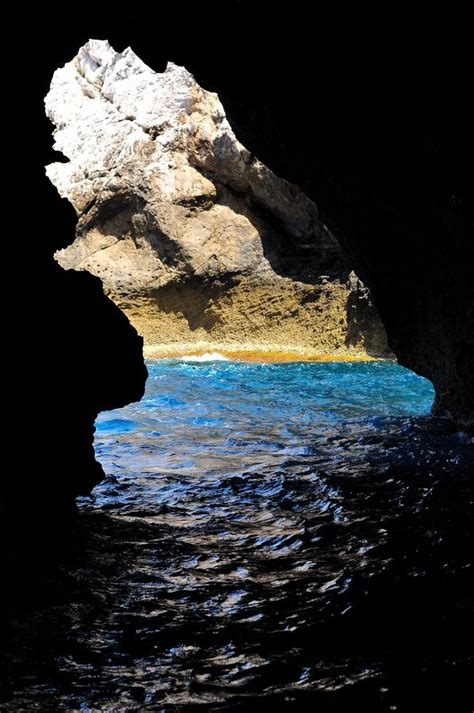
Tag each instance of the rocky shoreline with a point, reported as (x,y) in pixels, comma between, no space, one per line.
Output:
(282,317)
(244,352)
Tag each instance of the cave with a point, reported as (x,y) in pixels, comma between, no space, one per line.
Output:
(368,111)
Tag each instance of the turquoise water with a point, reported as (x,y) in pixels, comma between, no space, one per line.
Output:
(268,536)
(221,418)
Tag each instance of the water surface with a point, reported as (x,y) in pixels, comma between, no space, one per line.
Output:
(293,535)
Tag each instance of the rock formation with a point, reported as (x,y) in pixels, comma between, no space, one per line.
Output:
(193,237)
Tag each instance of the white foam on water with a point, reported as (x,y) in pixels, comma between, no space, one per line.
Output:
(207,356)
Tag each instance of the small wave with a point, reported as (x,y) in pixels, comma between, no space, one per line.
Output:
(207,356)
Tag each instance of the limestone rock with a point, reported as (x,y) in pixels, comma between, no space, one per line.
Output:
(167,198)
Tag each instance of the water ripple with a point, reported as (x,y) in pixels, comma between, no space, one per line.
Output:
(294,535)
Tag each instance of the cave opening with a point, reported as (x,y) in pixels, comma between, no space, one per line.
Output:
(297,533)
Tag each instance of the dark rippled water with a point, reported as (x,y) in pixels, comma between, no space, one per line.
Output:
(268,536)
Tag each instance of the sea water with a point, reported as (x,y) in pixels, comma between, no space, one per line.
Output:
(290,535)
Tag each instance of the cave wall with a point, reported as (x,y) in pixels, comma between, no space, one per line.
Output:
(80,355)
(70,351)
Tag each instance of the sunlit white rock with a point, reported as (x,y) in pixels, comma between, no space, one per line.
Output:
(160,137)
